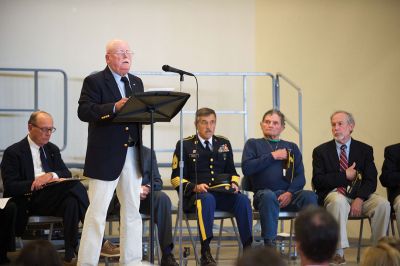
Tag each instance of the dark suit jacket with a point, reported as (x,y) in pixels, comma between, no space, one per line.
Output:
(146,170)
(107,141)
(326,173)
(17,167)
(18,174)
(390,176)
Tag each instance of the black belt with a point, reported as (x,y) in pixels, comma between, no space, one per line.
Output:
(132,143)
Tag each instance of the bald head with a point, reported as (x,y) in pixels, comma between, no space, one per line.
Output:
(119,56)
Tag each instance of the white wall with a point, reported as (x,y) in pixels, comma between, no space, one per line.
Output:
(196,36)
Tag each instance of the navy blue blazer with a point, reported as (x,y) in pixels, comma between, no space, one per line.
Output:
(17,167)
(18,174)
(157,181)
(390,177)
(326,170)
(107,141)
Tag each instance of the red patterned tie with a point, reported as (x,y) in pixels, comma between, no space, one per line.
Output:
(343,166)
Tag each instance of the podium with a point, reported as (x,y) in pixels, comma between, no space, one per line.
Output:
(148,108)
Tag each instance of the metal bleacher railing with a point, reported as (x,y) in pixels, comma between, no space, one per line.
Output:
(34,73)
(275,85)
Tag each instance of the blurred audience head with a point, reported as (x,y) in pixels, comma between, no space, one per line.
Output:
(316,235)
(384,253)
(261,257)
(38,253)
(391,241)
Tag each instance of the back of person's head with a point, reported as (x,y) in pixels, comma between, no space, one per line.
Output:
(316,234)
(261,257)
(394,242)
(38,253)
(383,254)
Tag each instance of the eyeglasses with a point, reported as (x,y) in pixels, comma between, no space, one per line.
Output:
(45,129)
(122,52)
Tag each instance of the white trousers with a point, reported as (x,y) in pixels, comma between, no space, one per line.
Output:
(100,193)
(375,207)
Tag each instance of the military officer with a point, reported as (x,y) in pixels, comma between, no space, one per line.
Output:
(210,181)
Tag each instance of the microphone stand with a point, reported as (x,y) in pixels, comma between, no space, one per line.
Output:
(181,165)
(151,110)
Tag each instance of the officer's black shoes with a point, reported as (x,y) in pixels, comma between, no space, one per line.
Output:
(248,244)
(270,243)
(168,260)
(206,257)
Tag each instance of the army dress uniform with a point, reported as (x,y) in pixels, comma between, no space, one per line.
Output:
(215,168)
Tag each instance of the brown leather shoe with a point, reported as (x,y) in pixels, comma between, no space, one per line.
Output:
(73,262)
(109,250)
(338,260)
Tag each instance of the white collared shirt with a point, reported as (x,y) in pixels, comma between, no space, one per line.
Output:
(37,163)
(120,83)
(203,140)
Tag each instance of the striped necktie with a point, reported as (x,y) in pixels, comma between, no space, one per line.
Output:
(344,164)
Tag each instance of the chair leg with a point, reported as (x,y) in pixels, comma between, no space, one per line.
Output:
(51,231)
(175,229)
(290,238)
(221,225)
(359,240)
(240,244)
(196,255)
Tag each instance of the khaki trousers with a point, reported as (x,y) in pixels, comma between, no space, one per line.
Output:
(375,207)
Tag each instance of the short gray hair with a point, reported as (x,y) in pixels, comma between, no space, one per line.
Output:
(277,112)
(350,117)
(205,111)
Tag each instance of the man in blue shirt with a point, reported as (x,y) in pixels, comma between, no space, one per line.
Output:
(275,170)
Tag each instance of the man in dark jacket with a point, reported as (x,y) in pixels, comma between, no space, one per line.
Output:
(36,178)
(210,182)
(113,161)
(390,178)
(345,178)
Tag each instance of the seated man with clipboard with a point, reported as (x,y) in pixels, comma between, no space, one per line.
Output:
(29,167)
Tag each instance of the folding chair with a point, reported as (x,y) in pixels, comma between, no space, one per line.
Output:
(218,215)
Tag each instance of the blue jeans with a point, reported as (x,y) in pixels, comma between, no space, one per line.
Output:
(266,202)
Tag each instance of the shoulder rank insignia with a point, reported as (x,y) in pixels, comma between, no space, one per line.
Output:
(189,138)
(175,162)
(222,137)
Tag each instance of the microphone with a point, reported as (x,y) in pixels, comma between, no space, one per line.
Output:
(168,68)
